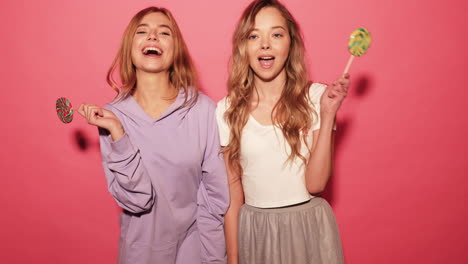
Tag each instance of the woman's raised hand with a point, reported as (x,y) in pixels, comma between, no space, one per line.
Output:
(334,95)
(102,118)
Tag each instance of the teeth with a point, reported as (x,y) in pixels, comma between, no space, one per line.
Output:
(266,58)
(158,51)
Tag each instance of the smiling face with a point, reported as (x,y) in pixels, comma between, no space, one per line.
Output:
(153,44)
(268,44)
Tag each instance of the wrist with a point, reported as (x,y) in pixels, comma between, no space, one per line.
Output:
(116,131)
(327,118)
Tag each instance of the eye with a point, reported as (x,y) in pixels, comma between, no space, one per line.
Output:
(253,37)
(140,32)
(277,35)
(165,33)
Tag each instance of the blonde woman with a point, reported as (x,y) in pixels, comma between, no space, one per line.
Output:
(277,131)
(160,149)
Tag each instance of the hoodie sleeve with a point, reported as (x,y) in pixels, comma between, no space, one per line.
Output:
(127,178)
(213,196)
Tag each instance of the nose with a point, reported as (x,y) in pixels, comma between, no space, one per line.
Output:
(153,35)
(265,44)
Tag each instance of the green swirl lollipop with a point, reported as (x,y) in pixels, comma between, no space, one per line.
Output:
(358,44)
(64,110)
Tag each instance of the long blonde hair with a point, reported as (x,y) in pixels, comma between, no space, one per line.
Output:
(182,73)
(292,113)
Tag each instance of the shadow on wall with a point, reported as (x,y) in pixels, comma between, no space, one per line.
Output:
(360,87)
(84,142)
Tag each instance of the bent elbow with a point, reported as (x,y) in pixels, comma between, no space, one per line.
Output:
(315,189)
(136,205)
(140,208)
(147,206)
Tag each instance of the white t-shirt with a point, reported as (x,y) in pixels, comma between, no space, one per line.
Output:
(268,180)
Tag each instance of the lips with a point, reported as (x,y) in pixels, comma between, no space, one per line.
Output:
(152,51)
(266,62)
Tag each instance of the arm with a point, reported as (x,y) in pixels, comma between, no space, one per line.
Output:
(127,179)
(231,219)
(232,216)
(213,197)
(320,164)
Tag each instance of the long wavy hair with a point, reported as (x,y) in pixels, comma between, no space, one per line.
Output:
(292,113)
(182,73)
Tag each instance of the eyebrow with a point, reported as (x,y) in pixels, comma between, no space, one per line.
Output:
(161,25)
(275,27)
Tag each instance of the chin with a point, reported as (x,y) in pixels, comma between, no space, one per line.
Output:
(154,69)
(267,77)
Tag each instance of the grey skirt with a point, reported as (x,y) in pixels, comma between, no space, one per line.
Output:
(299,234)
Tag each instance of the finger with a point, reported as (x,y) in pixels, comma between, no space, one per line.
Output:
(86,108)
(85,111)
(107,113)
(342,95)
(89,113)
(100,112)
(97,111)
(339,91)
(328,91)
(344,83)
(80,110)
(345,87)
(339,88)
(343,80)
(93,115)
(333,94)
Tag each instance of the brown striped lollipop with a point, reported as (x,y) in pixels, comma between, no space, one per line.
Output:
(64,110)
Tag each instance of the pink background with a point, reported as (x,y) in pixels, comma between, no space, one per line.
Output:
(398,190)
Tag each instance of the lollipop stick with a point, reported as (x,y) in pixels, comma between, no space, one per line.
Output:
(350,61)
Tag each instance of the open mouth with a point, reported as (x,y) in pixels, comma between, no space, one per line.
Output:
(266,61)
(152,51)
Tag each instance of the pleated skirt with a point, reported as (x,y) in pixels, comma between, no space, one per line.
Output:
(299,234)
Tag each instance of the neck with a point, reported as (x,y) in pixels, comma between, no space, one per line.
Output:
(270,90)
(152,88)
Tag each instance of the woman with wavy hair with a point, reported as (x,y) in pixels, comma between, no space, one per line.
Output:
(172,186)
(276,128)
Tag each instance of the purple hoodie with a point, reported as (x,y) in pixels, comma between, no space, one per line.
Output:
(169,177)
